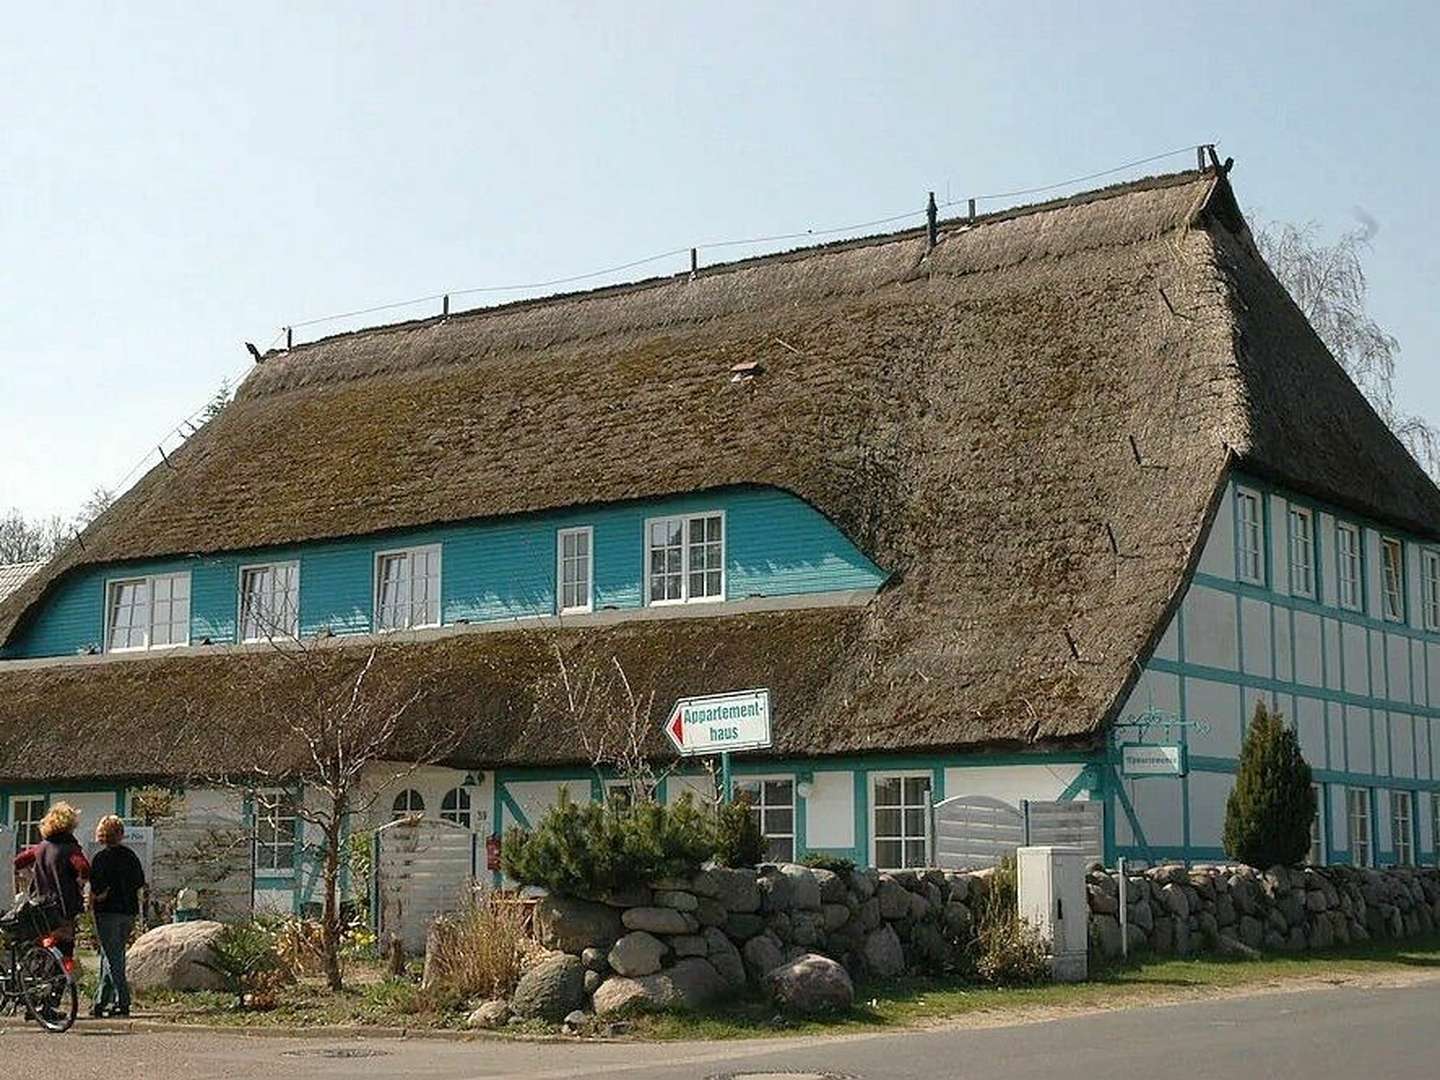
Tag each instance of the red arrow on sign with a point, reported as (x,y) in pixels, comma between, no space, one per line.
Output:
(675,727)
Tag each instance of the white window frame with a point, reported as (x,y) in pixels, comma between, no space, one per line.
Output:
(463,815)
(1354,842)
(1304,580)
(410,553)
(1402,827)
(1388,543)
(252,568)
(878,778)
(1430,587)
(21,843)
(1316,855)
(686,519)
(271,803)
(1244,525)
(410,810)
(588,532)
(762,808)
(1355,586)
(148,580)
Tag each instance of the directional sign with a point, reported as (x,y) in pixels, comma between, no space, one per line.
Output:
(720,723)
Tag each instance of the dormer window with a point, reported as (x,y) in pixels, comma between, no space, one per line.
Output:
(685,559)
(407,588)
(147,613)
(270,601)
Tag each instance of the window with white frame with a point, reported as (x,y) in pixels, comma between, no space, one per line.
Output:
(1316,856)
(407,588)
(1392,571)
(407,804)
(1250,537)
(148,613)
(575,570)
(772,806)
(274,832)
(455,807)
(25,815)
(1347,546)
(685,559)
(270,601)
(1402,826)
(1430,587)
(1357,814)
(1302,552)
(901,817)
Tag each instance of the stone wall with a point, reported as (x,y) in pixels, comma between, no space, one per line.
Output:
(688,941)
(1238,910)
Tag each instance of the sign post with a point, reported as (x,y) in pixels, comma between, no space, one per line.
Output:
(721,724)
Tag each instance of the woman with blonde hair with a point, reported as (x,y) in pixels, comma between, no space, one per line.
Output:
(116,878)
(60,870)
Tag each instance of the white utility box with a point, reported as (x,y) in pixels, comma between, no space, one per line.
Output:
(1052,899)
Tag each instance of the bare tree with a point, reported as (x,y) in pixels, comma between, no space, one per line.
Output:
(343,725)
(23,540)
(99,500)
(1328,284)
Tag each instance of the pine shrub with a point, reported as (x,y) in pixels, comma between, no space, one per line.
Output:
(1268,815)
(738,840)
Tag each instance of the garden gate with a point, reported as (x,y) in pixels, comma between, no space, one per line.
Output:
(423,868)
(973,831)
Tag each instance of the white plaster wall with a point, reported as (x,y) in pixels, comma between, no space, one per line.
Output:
(1218,556)
(1356,672)
(1208,792)
(534,797)
(1218,704)
(830,810)
(1280,545)
(1397,659)
(1381,722)
(1255,633)
(1419,688)
(1329,561)
(274,901)
(1011,783)
(1310,726)
(92,806)
(219,805)
(1282,636)
(1402,744)
(1432,672)
(1378,687)
(1357,742)
(1309,665)
(700,787)
(1428,744)
(433,782)
(1335,720)
(1157,803)
(1333,667)
(1373,601)
(1413,613)
(1210,628)
(1169,646)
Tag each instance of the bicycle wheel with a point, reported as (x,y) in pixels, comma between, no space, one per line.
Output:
(48,990)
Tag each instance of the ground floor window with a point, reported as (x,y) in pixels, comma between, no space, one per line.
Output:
(407,804)
(1402,819)
(1357,813)
(772,805)
(1316,857)
(274,832)
(901,814)
(25,815)
(455,807)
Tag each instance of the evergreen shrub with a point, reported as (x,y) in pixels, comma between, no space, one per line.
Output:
(1268,814)
(738,840)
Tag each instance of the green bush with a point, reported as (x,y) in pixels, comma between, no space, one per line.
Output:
(836,864)
(1268,814)
(244,956)
(738,840)
(596,848)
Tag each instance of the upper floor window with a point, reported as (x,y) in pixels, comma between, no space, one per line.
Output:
(685,559)
(270,601)
(274,832)
(148,613)
(1430,592)
(575,570)
(1250,536)
(407,588)
(1347,545)
(1392,569)
(1302,552)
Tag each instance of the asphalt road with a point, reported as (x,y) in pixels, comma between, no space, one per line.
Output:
(1384,1034)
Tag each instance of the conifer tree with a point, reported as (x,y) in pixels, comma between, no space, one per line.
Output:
(1268,815)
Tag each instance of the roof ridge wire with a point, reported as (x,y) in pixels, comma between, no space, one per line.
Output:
(715,244)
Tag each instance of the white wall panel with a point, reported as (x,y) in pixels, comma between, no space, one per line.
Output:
(1208,792)
(1218,556)
(1310,725)
(830,811)
(1211,629)
(1255,634)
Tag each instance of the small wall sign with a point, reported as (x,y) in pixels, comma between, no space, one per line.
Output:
(1152,759)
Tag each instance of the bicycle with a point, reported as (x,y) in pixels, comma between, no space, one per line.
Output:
(36,974)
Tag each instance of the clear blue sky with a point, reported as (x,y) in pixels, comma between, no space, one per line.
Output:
(178,178)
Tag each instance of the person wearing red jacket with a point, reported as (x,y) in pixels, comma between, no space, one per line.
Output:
(60,871)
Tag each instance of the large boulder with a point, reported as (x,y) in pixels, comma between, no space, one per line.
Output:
(551,988)
(894,900)
(690,984)
(884,958)
(725,958)
(811,984)
(736,889)
(173,957)
(568,925)
(805,893)
(637,953)
(763,955)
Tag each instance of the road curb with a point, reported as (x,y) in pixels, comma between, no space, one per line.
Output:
(85,1025)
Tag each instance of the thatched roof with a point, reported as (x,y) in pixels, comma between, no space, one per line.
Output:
(13,575)
(970,416)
